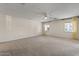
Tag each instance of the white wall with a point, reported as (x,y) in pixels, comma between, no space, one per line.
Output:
(12,28)
(22,28)
(57,29)
(2,28)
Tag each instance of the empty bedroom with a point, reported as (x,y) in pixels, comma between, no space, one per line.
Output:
(39,29)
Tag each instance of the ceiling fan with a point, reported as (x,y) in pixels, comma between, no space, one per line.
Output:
(47,17)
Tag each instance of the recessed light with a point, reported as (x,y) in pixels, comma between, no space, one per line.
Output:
(45,18)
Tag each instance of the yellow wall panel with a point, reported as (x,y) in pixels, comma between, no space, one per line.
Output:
(74,22)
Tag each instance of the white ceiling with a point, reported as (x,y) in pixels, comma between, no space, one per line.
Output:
(35,10)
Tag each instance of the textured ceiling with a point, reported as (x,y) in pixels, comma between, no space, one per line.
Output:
(35,10)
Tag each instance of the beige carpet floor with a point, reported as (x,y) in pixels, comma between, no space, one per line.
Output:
(40,46)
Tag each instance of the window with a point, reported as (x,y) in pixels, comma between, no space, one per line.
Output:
(46,27)
(68,27)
